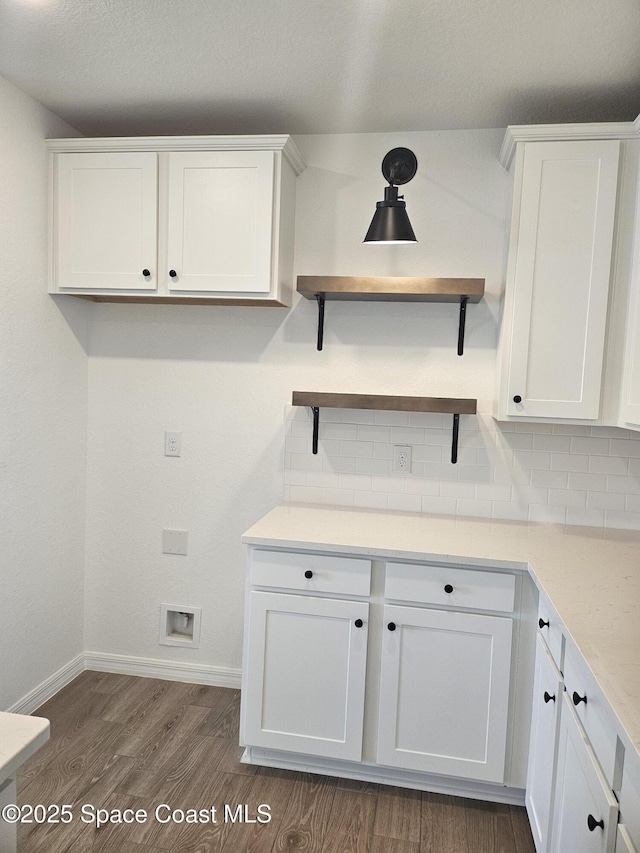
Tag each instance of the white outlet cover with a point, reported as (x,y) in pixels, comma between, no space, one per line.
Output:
(401,459)
(172,443)
(175,542)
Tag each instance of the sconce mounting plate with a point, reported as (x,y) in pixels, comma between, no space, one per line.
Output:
(399,166)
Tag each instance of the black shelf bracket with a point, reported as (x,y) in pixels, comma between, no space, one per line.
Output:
(454,439)
(463,317)
(320,300)
(316,427)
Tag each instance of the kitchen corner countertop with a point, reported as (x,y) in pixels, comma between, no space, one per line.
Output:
(20,737)
(591,575)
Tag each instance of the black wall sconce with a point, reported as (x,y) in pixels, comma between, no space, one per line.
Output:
(390,223)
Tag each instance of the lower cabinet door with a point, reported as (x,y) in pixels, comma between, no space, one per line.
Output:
(585,812)
(547,699)
(304,686)
(444,692)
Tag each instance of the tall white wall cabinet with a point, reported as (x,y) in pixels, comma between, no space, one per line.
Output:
(569,340)
(174,219)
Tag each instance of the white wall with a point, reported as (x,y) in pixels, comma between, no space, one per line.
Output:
(43,419)
(224,377)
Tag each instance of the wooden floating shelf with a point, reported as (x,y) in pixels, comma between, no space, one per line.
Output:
(381,289)
(448,405)
(385,289)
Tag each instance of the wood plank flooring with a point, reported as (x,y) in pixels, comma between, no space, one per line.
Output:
(119,742)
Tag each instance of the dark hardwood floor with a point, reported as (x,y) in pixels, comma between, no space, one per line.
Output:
(119,742)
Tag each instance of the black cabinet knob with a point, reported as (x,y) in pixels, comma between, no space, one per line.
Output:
(542,623)
(548,697)
(391,626)
(577,699)
(592,823)
(308,574)
(517,399)
(448,588)
(359,623)
(146,273)
(173,274)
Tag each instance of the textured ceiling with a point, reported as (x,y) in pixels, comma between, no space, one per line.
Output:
(126,67)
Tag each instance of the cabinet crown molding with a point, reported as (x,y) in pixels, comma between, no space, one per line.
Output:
(269,142)
(564,132)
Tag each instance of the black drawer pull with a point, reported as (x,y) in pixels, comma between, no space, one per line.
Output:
(359,623)
(577,699)
(517,399)
(308,574)
(146,273)
(448,588)
(592,823)
(548,697)
(173,274)
(391,626)
(542,623)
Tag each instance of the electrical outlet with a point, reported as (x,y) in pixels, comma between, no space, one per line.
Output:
(401,459)
(172,443)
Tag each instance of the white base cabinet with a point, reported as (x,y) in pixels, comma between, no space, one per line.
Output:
(444,692)
(585,809)
(416,691)
(174,219)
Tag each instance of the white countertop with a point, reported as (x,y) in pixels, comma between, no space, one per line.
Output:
(20,737)
(591,575)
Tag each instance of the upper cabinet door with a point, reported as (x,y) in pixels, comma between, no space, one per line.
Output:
(558,279)
(220,214)
(105,229)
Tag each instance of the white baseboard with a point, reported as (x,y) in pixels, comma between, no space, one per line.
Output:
(49,687)
(216,676)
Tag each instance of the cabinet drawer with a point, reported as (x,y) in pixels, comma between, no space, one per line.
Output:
(596,718)
(311,572)
(448,586)
(551,631)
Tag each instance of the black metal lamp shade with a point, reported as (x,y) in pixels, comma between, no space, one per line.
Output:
(390,223)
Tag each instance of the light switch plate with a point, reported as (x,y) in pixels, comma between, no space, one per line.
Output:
(175,542)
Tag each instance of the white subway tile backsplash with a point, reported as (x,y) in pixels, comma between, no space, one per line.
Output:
(592,446)
(590,482)
(467,506)
(442,506)
(405,503)
(556,443)
(541,472)
(356,448)
(567,497)
(370,500)
(371,432)
(569,462)
(626,447)
(340,464)
(456,489)
(550,479)
(379,467)
(547,514)
(606,500)
(582,516)
(407,435)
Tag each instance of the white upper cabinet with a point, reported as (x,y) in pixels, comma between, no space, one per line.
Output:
(174,219)
(558,275)
(106,221)
(630,393)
